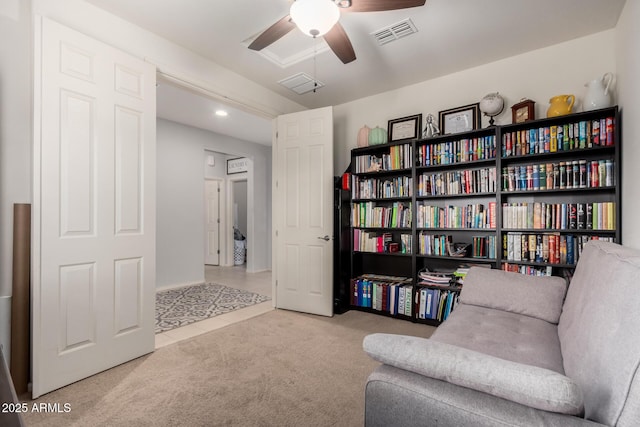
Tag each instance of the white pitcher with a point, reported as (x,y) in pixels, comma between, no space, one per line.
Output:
(598,95)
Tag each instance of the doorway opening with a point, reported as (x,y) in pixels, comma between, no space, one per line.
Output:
(238,199)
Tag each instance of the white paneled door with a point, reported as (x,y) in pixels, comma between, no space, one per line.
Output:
(212,226)
(303,211)
(93,291)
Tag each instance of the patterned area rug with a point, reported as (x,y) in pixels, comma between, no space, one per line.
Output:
(183,306)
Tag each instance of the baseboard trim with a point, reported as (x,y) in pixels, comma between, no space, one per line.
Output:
(178,286)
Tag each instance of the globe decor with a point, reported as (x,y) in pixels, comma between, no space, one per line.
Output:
(492,105)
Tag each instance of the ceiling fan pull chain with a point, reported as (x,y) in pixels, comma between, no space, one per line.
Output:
(315,54)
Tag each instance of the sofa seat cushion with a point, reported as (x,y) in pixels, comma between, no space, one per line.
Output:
(528,385)
(503,334)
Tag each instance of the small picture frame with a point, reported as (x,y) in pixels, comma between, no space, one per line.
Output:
(460,119)
(405,128)
(238,165)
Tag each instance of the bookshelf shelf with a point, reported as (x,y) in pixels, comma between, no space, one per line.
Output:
(456,196)
(391,254)
(382,173)
(606,189)
(449,230)
(556,230)
(457,258)
(465,179)
(467,164)
(383,199)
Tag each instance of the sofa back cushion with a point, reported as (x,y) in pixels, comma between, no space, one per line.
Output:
(539,297)
(599,332)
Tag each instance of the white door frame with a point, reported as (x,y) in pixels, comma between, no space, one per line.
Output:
(222,244)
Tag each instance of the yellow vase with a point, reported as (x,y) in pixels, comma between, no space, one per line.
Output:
(560,105)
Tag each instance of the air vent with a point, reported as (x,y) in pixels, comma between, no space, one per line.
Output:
(301,83)
(395,32)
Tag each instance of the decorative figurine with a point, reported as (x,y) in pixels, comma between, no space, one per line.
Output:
(430,129)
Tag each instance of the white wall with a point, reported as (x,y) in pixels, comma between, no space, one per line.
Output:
(219,167)
(628,69)
(179,208)
(538,75)
(15,124)
(180,211)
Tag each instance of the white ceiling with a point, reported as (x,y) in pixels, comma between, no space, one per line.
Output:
(183,106)
(452,35)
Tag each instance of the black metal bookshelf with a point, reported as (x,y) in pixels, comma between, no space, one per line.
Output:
(443,159)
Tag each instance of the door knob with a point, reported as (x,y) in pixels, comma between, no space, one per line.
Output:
(325,238)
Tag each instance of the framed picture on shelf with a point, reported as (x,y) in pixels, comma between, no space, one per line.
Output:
(461,119)
(405,128)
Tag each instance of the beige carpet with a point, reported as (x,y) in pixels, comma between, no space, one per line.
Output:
(278,369)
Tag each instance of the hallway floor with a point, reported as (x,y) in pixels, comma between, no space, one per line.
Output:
(234,277)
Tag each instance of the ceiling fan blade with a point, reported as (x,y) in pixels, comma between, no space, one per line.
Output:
(380,5)
(340,44)
(273,33)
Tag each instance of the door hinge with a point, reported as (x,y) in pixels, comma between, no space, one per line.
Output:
(218,189)
(218,220)
(218,251)
(276,283)
(276,233)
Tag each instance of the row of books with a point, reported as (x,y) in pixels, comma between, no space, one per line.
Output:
(551,248)
(393,295)
(370,215)
(381,188)
(442,245)
(399,157)
(529,270)
(367,241)
(468,181)
(560,175)
(483,247)
(459,151)
(470,216)
(551,139)
(559,216)
(436,304)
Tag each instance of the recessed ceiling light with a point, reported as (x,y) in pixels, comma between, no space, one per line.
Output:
(221,113)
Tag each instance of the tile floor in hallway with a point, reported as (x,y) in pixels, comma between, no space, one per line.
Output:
(234,277)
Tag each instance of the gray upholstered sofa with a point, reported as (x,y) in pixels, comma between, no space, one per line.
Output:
(521,351)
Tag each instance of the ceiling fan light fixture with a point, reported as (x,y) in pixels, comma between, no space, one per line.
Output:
(314,17)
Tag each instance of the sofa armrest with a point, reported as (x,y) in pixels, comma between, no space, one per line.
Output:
(539,297)
(528,385)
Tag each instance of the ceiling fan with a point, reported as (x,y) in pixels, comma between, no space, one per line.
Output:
(317,18)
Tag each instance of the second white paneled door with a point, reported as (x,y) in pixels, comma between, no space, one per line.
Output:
(303,211)
(93,275)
